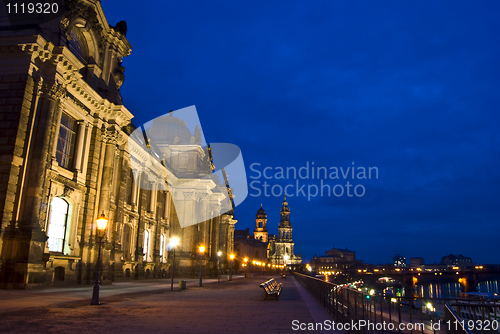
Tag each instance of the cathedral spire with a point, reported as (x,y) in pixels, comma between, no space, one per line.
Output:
(284,206)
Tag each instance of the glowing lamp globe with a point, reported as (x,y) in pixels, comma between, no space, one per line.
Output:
(174,242)
(102,222)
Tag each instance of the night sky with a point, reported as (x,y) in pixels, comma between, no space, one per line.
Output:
(408,87)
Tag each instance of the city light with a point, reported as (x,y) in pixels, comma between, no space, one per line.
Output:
(430,307)
(174,241)
(102,222)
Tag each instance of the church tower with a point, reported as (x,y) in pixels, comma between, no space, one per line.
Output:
(282,246)
(260,232)
(285,230)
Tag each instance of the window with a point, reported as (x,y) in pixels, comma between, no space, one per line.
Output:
(78,45)
(162,246)
(146,245)
(66,142)
(57,225)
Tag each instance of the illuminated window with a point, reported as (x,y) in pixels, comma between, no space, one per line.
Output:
(57,225)
(146,245)
(66,142)
(162,246)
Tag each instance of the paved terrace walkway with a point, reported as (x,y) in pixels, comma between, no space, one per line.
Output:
(150,307)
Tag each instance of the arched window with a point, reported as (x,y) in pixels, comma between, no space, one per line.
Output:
(78,44)
(57,225)
(146,245)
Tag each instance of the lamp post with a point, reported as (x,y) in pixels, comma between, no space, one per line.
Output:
(231,270)
(219,253)
(102,222)
(173,242)
(246,266)
(202,250)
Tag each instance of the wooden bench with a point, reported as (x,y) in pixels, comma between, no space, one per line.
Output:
(271,288)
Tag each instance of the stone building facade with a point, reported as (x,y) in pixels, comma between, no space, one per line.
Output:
(336,260)
(65,158)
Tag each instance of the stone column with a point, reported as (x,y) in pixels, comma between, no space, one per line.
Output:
(37,170)
(109,138)
(56,135)
(166,205)
(80,134)
(135,190)
(118,170)
(88,131)
(231,237)
(152,202)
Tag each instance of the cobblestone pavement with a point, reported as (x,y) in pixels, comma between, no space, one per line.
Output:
(150,307)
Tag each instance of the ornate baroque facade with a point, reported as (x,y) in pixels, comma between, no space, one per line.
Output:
(281,247)
(65,158)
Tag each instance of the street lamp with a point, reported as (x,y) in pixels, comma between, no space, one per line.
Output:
(219,253)
(202,250)
(102,222)
(173,242)
(231,271)
(246,266)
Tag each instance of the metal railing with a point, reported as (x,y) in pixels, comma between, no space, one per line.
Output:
(456,325)
(397,314)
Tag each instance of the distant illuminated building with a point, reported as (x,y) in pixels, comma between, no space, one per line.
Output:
(335,261)
(249,247)
(399,261)
(455,260)
(416,262)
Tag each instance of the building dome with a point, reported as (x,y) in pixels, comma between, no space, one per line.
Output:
(261,212)
(168,130)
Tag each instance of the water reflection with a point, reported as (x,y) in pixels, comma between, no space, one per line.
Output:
(453,290)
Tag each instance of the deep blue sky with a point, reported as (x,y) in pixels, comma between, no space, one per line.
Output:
(408,87)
